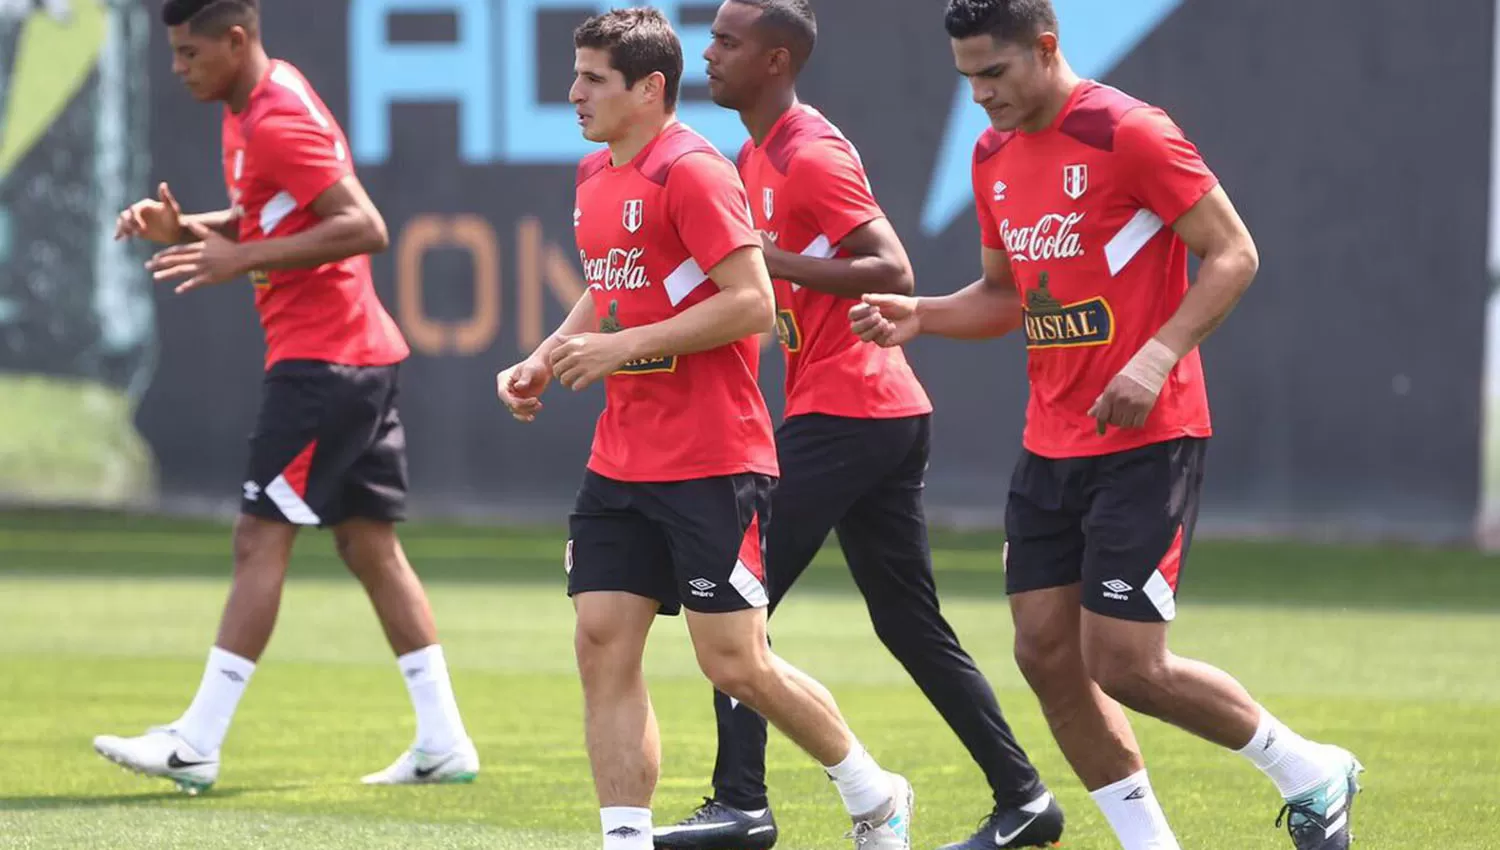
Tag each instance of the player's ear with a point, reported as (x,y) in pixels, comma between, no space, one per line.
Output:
(1046,46)
(654,87)
(781,61)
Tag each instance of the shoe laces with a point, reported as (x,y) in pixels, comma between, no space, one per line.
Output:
(705,812)
(1304,824)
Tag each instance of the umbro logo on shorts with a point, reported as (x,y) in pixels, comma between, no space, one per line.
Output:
(702,587)
(1116,589)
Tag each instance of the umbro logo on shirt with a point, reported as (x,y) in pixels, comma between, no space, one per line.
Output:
(1000,188)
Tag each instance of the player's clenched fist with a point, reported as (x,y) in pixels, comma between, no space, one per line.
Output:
(886,320)
(157,220)
(520,388)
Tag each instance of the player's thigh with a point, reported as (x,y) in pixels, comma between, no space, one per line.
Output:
(613,547)
(374,486)
(715,532)
(826,467)
(294,467)
(1139,527)
(1044,541)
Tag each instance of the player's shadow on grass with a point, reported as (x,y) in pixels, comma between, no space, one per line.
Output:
(100,801)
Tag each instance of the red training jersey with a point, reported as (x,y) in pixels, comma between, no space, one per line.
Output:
(1084,211)
(809,191)
(280,154)
(648,233)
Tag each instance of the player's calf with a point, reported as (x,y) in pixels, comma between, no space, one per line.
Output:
(262,551)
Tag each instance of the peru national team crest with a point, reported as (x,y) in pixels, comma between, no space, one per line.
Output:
(1075,180)
(634,213)
(769,200)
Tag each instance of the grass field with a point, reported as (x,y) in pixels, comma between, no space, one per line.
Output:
(104,623)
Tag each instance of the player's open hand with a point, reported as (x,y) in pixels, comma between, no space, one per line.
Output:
(213,259)
(886,320)
(520,388)
(156,220)
(584,359)
(1125,403)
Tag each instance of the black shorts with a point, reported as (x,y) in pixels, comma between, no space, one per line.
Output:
(1121,524)
(696,543)
(328,445)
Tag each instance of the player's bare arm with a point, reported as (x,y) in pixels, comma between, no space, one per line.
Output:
(1212,229)
(349,225)
(987,308)
(743,306)
(520,387)
(878,264)
(161,220)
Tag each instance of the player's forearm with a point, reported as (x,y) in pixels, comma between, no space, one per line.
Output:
(727,316)
(335,238)
(845,277)
(580,320)
(981,310)
(1222,280)
(225,222)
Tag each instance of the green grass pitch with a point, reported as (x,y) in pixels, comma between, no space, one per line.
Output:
(104,623)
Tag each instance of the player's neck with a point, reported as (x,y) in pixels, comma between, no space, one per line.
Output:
(1061,92)
(634,141)
(762,117)
(256,68)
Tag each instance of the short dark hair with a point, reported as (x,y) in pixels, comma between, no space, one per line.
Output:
(212,17)
(793,21)
(1017,21)
(640,42)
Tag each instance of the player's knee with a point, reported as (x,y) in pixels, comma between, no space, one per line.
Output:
(742,676)
(259,543)
(1131,678)
(1043,654)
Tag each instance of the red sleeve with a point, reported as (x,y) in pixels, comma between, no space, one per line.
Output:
(1168,174)
(299,155)
(706,202)
(829,183)
(989,229)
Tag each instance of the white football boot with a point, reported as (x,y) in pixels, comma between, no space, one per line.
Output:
(890,828)
(162,752)
(417,767)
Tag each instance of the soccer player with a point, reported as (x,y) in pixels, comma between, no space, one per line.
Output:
(673,504)
(328,447)
(854,445)
(1089,202)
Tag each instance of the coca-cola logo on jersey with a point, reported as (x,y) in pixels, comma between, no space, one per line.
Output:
(621,268)
(1053,237)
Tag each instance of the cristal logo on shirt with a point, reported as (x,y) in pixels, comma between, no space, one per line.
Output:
(1053,237)
(619,269)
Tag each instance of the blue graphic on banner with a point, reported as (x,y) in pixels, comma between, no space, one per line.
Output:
(490,71)
(1096,35)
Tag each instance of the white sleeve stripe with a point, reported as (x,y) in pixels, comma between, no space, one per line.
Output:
(1131,239)
(681,283)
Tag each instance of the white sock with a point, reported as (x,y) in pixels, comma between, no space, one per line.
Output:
(206,721)
(1133,811)
(626,828)
(1294,763)
(863,785)
(439,726)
